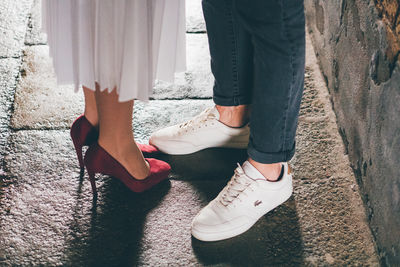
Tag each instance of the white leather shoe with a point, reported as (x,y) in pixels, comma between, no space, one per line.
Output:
(241,203)
(203,131)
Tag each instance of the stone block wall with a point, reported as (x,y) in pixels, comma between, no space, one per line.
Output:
(358,45)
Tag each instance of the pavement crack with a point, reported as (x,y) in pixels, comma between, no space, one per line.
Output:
(182,98)
(196,32)
(12,57)
(16,130)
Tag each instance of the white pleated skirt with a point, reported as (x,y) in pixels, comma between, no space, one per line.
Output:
(119,44)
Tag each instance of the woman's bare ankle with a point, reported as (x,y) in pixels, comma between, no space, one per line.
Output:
(91,107)
(92,118)
(128,155)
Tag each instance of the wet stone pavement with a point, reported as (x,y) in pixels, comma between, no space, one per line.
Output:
(47,213)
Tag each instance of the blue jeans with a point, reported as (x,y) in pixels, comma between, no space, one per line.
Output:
(257,52)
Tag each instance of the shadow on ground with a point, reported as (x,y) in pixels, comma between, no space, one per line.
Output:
(115,230)
(207,164)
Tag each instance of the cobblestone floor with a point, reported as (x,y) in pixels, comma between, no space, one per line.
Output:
(48,217)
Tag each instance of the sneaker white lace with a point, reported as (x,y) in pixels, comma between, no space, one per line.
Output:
(203,131)
(241,203)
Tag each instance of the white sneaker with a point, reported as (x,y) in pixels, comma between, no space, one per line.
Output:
(203,131)
(241,203)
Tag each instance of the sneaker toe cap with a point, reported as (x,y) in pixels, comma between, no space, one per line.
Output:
(209,221)
(163,135)
(206,217)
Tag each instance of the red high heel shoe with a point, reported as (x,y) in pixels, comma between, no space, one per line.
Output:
(83,133)
(97,160)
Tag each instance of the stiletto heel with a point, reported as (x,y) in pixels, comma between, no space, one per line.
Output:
(78,150)
(83,133)
(98,160)
(93,183)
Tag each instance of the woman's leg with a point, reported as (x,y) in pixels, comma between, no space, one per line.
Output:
(116,133)
(91,107)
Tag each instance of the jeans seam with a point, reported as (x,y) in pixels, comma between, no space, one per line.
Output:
(235,74)
(292,56)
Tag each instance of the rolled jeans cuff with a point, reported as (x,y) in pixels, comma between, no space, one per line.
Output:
(270,157)
(228,102)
